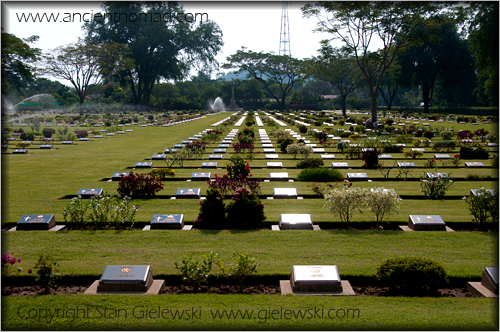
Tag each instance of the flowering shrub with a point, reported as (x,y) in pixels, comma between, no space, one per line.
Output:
(139,185)
(322,188)
(46,271)
(413,154)
(286,142)
(163,173)
(465,134)
(237,167)
(382,203)
(473,153)
(81,133)
(483,207)
(211,136)
(370,157)
(435,188)
(299,148)
(7,264)
(100,211)
(246,211)
(430,163)
(424,141)
(228,186)
(444,145)
(345,202)
(243,147)
(212,215)
(178,157)
(27,136)
(456,160)
(196,148)
(246,132)
(322,137)
(446,135)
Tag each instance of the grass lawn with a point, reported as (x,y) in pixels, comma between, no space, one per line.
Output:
(41,181)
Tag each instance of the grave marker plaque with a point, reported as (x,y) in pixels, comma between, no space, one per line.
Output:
(285,193)
(278,176)
(215,156)
(20,151)
(67,142)
(426,223)
(117,176)
(385,156)
(209,164)
(492,145)
(84,139)
(144,164)
(272,156)
(418,149)
(219,151)
(340,165)
(357,176)
(159,157)
(490,279)
(269,150)
(200,176)
(442,156)
(315,278)
(318,150)
(474,192)
(406,164)
(274,164)
(267,145)
(295,221)
(125,278)
(46,146)
(473,164)
(87,193)
(437,175)
(327,156)
(29,222)
(223,145)
(97,136)
(188,193)
(167,221)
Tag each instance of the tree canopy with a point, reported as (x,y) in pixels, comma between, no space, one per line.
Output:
(277,73)
(161,50)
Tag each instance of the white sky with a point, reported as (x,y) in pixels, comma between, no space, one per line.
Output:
(255,25)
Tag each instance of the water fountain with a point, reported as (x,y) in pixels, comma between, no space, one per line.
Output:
(218,105)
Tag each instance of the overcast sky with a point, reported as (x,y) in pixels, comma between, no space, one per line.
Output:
(255,25)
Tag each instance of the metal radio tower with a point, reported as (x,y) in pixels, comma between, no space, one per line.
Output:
(285,31)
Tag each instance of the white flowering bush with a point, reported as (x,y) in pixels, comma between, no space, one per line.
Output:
(299,148)
(435,188)
(381,203)
(344,202)
(483,207)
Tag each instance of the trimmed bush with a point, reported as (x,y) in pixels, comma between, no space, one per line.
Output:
(246,211)
(319,174)
(444,145)
(411,275)
(27,136)
(370,157)
(310,163)
(473,153)
(48,132)
(212,215)
(139,185)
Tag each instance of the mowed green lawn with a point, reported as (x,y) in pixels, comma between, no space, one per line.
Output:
(38,182)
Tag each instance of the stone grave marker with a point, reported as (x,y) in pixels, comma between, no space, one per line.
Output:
(295,221)
(406,164)
(125,278)
(117,176)
(20,151)
(490,279)
(385,156)
(472,164)
(219,151)
(426,223)
(442,156)
(188,193)
(167,221)
(84,139)
(384,190)
(318,150)
(223,145)
(159,157)
(492,145)
(437,175)
(97,136)
(29,222)
(67,142)
(178,146)
(87,193)
(208,164)
(284,193)
(278,176)
(200,176)
(474,192)
(327,156)
(340,165)
(272,156)
(267,145)
(46,146)
(215,156)
(110,134)
(418,149)
(144,164)
(315,278)
(269,150)
(357,176)
(274,164)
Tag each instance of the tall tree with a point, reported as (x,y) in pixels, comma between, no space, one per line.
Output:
(335,66)
(85,64)
(389,84)
(17,62)
(361,26)
(277,73)
(441,55)
(164,44)
(483,35)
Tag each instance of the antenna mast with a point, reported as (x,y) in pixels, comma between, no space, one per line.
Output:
(285,31)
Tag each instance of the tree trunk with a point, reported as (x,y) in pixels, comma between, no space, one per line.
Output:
(344,104)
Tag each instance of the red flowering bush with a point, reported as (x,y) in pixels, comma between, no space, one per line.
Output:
(465,134)
(7,262)
(237,166)
(246,211)
(139,185)
(81,133)
(228,186)
(212,214)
